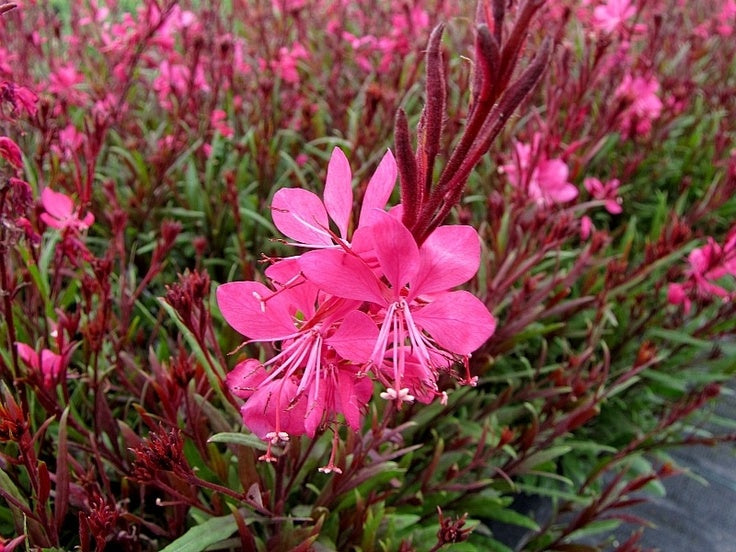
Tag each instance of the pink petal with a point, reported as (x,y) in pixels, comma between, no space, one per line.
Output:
(57,204)
(10,151)
(342,274)
(355,338)
(552,173)
(300,215)
(317,408)
(271,409)
(396,250)
(48,220)
(302,294)
(28,355)
(449,257)
(245,378)
(379,189)
(354,394)
(563,194)
(339,191)
(50,365)
(244,312)
(458,321)
(594,186)
(87,221)
(613,207)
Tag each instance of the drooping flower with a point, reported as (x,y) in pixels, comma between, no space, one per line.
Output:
(60,212)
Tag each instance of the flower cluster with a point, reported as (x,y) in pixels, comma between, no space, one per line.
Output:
(365,302)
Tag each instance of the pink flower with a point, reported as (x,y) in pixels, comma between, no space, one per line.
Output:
(607,192)
(708,265)
(48,365)
(70,141)
(410,293)
(286,64)
(642,105)
(725,19)
(544,180)
(607,17)
(308,369)
(60,212)
(302,216)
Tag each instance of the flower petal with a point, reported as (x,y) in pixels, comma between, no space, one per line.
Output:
(339,191)
(353,395)
(28,355)
(396,250)
(300,215)
(57,204)
(245,378)
(458,321)
(379,189)
(270,409)
(355,338)
(449,257)
(342,274)
(252,317)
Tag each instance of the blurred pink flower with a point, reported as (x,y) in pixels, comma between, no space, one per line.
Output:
(586,227)
(641,103)
(60,212)
(544,180)
(609,15)
(286,64)
(726,18)
(607,192)
(708,265)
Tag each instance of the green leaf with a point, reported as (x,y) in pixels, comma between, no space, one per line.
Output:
(542,456)
(507,515)
(594,528)
(199,538)
(246,440)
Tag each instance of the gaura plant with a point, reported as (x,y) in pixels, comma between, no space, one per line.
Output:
(377,300)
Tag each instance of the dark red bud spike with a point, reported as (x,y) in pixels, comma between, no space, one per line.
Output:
(488,60)
(411,193)
(511,49)
(499,11)
(435,107)
(498,117)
